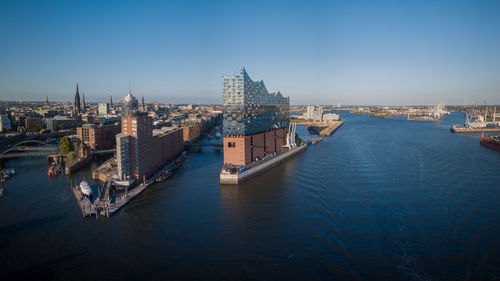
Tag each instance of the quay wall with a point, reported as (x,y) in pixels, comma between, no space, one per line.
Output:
(240,177)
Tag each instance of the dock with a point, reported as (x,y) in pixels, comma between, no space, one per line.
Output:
(323,129)
(86,207)
(332,127)
(236,178)
(474,130)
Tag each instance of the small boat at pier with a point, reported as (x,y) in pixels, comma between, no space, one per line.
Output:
(165,175)
(85,189)
(54,170)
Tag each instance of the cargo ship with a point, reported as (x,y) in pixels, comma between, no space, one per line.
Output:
(492,142)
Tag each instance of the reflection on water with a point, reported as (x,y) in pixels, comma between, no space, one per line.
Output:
(379,200)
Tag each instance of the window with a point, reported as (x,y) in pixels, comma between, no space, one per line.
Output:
(231,144)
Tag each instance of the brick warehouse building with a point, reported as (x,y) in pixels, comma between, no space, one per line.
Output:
(139,153)
(98,137)
(255,121)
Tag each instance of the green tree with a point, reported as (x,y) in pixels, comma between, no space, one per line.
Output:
(66,145)
(72,155)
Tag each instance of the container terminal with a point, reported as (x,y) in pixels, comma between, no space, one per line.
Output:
(477,123)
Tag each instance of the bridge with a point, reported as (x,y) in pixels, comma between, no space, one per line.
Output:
(28,148)
(215,144)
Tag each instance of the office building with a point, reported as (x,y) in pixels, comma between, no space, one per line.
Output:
(139,152)
(98,137)
(102,108)
(31,124)
(60,123)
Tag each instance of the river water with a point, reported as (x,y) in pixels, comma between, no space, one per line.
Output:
(379,200)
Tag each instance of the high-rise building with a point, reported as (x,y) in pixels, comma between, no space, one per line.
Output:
(76,106)
(139,152)
(255,121)
(129,104)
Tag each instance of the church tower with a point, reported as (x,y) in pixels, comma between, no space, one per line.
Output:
(76,106)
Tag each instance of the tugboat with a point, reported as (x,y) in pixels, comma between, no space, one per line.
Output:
(491,142)
(85,189)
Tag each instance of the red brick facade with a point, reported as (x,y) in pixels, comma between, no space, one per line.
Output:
(241,151)
(98,137)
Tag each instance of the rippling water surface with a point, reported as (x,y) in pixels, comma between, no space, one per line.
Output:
(379,200)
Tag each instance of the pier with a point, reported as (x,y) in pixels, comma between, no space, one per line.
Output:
(323,129)
(86,207)
(474,130)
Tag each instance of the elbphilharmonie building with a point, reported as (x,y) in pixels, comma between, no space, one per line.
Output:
(249,108)
(255,121)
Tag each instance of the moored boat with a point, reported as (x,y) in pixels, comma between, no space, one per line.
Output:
(165,175)
(85,189)
(54,170)
(492,142)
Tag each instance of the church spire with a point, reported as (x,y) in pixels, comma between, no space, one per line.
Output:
(83,101)
(76,107)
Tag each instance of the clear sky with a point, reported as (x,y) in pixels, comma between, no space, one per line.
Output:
(327,52)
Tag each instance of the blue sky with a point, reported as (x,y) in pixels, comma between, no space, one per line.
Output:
(348,52)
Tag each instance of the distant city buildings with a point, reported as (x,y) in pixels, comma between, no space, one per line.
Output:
(31,124)
(314,113)
(255,121)
(102,108)
(61,122)
(317,114)
(4,123)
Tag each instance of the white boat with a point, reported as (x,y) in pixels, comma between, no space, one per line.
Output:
(85,189)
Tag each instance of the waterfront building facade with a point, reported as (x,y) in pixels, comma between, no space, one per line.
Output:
(139,152)
(191,132)
(255,121)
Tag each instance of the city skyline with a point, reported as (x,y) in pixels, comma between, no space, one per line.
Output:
(385,53)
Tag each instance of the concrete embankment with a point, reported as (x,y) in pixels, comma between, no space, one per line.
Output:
(332,127)
(474,130)
(265,165)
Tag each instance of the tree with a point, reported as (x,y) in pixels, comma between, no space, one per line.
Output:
(72,155)
(66,145)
